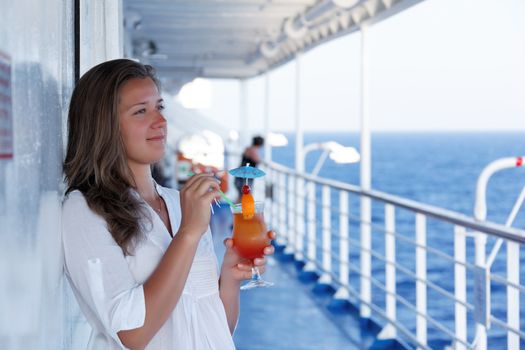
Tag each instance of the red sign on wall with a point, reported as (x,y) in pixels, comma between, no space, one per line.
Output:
(6,110)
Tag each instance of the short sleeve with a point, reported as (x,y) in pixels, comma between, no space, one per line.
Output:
(98,270)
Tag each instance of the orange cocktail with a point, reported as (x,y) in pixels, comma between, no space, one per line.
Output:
(250,236)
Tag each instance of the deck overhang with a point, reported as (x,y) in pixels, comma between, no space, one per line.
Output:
(229,39)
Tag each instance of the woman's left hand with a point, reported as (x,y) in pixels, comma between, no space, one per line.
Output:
(235,268)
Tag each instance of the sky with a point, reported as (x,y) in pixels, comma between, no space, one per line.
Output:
(441,65)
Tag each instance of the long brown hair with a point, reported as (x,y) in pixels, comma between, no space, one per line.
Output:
(96,162)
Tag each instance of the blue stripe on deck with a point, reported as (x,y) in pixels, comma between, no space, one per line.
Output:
(293,314)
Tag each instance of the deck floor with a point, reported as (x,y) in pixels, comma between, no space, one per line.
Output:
(285,317)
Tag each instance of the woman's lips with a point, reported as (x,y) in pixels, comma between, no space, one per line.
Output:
(157,138)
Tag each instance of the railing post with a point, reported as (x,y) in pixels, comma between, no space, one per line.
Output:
(268,201)
(389,331)
(481,292)
(421,275)
(460,286)
(282,235)
(290,247)
(311,227)
(299,219)
(342,292)
(365,257)
(275,199)
(513,294)
(326,278)
(481,275)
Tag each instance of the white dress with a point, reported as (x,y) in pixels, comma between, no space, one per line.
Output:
(109,286)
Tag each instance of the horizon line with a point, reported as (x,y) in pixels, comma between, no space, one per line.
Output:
(404,131)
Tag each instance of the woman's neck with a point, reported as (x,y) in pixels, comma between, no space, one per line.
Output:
(144,182)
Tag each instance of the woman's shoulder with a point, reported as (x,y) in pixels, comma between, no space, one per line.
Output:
(74,199)
(75,208)
(82,228)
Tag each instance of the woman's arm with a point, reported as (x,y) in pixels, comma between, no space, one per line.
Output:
(233,271)
(164,287)
(229,294)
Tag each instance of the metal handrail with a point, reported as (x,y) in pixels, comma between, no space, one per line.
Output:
(399,237)
(506,326)
(502,280)
(508,233)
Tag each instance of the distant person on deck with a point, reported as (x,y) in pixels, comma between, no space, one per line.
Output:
(250,156)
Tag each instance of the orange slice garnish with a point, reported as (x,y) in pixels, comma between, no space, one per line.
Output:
(248,206)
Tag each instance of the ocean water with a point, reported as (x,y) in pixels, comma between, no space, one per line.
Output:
(440,169)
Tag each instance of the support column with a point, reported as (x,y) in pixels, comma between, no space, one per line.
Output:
(101,34)
(299,161)
(267,146)
(266,133)
(244,119)
(299,165)
(365,182)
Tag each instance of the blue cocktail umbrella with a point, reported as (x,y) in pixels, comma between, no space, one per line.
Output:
(247,172)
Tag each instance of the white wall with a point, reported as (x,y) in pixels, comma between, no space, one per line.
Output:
(38,35)
(37,310)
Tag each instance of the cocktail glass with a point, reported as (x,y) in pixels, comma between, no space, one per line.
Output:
(250,237)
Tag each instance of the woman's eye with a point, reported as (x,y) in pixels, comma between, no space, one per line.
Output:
(140,111)
(161,107)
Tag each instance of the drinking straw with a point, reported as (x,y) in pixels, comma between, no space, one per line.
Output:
(228,200)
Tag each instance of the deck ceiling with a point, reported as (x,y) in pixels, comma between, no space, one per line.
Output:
(239,39)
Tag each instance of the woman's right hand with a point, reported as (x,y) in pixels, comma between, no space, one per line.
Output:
(195,199)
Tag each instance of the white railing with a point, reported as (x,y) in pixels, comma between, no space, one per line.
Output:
(335,222)
(513,255)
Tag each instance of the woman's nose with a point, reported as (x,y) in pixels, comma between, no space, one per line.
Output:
(160,120)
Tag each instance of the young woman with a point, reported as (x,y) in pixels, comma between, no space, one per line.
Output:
(139,257)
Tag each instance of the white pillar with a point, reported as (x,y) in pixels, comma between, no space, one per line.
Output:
(102,32)
(244,118)
(267,147)
(299,161)
(365,182)
(234,152)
